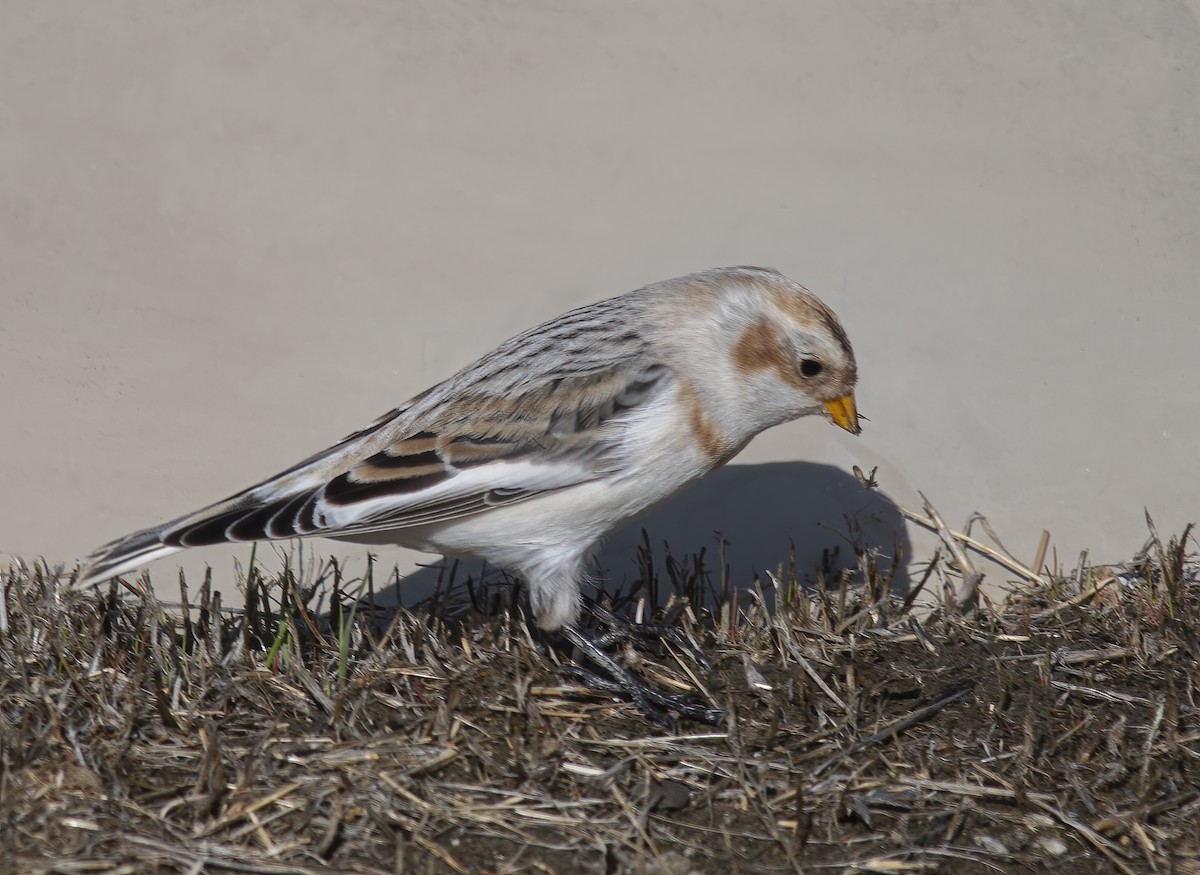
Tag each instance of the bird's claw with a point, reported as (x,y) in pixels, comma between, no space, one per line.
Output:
(623,631)
(616,679)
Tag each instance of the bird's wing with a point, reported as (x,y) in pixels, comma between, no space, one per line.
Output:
(425,464)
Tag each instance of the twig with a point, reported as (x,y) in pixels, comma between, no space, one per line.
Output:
(894,728)
(1074,600)
(1109,849)
(968,593)
(1040,556)
(1106,695)
(979,547)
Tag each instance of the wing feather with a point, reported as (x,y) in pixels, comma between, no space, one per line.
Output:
(444,455)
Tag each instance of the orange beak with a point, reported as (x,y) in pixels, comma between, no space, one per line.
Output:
(843,413)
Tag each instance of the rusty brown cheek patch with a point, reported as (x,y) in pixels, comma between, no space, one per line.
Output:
(758,349)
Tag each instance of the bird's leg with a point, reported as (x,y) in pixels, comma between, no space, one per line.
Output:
(615,678)
(623,631)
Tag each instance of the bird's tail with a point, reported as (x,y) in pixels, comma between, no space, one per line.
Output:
(284,506)
(261,513)
(123,555)
(214,524)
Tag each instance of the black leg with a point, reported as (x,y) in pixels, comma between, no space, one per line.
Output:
(623,631)
(615,678)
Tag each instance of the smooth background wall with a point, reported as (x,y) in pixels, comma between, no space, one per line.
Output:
(231,233)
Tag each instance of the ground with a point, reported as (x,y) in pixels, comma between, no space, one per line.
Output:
(1056,729)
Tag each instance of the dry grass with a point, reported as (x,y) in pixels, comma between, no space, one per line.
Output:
(1058,730)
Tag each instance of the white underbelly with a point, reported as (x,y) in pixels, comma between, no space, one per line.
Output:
(660,457)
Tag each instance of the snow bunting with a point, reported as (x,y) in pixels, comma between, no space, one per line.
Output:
(528,457)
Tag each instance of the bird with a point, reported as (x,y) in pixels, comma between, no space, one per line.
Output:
(528,457)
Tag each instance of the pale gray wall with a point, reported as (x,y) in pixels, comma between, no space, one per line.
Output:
(231,233)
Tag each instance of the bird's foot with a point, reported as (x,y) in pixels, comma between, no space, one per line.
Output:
(624,632)
(614,678)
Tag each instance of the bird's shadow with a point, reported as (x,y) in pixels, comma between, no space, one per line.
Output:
(741,521)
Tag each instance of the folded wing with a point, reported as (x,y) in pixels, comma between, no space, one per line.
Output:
(431,461)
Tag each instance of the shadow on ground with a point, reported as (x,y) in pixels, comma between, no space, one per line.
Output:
(749,518)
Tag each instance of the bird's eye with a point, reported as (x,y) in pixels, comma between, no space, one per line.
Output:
(810,367)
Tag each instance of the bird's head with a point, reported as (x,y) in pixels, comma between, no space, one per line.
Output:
(784,351)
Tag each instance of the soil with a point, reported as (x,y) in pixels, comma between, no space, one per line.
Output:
(1055,730)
